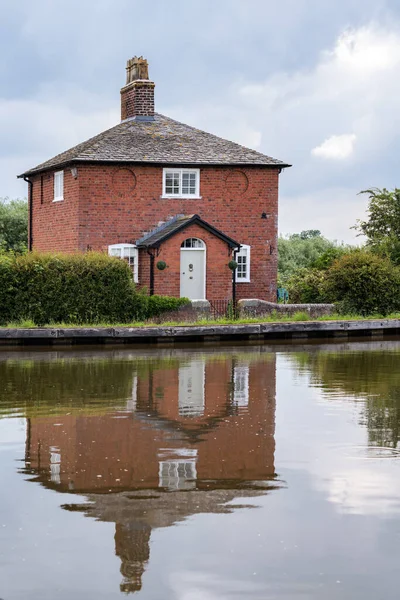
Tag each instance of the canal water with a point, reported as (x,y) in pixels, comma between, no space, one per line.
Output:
(262,472)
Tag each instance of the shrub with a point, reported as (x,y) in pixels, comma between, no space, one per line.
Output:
(79,288)
(306,287)
(156,305)
(7,288)
(73,288)
(363,283)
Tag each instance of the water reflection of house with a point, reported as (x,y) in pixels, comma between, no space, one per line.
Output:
(201,429)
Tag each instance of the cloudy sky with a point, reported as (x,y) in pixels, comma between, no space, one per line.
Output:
(315,83)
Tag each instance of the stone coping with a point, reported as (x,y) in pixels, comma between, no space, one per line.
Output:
(199,333)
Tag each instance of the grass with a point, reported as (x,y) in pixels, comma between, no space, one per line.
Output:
(273,318)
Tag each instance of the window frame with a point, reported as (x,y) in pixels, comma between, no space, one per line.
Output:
(245,250)
(201,247)
(58,174)
(195,196)
(121,247)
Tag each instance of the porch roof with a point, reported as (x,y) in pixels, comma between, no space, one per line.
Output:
(155,238)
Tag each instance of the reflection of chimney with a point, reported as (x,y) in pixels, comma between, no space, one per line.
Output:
(132,547)
(137,97)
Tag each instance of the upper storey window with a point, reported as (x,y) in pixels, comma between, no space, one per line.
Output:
(58,186)
(181,183)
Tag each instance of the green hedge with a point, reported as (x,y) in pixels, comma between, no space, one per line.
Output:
(363,283)
(73,288)
(156,305)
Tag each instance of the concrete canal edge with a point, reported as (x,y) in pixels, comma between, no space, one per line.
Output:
(203,334)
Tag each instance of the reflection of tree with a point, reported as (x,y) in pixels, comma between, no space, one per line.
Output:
(372,376)
(35,387)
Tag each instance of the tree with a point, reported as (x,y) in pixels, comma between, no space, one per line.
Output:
(299,251)
(13,225)
(307,234)
(382,227)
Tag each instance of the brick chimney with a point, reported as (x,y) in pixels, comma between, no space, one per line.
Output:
(137,96)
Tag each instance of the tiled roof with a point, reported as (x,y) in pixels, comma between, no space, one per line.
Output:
(177,223)
(162,141)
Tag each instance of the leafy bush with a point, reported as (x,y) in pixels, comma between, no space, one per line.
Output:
(364,283)
(306,286)
(156,305)
(73,288)
(7,288)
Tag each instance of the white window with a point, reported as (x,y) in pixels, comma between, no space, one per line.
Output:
(127,252)
(181,183)
(193,243)
(243,261)
(58,186)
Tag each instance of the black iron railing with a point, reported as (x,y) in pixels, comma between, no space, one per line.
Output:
(224,309)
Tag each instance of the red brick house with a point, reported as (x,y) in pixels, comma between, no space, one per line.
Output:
(153,191)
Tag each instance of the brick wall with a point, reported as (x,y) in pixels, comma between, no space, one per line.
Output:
(218,274)
(137,99)
(118,204)
(55,225)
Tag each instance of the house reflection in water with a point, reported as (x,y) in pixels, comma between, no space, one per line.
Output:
(197,433)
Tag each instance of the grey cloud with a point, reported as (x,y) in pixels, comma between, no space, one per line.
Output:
(65,64)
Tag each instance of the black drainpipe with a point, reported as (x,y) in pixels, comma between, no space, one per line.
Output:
(30,208)
(236,250)
(151,254)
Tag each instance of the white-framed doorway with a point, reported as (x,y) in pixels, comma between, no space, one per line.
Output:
(193,269)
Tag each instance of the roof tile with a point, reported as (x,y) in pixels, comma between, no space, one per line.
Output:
(162,141)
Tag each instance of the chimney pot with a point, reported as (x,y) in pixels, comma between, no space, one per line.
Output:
(137,97)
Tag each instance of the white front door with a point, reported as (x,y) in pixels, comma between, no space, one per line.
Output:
(193,273)
(191,389)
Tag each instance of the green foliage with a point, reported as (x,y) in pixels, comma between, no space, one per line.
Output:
(306,286)
(161,265)
(307,234)
(156,305)
(232,264)
(301,316)
(327,258)
(364,283)
(302,250)
(72,288)
(382,227)
(13,225)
